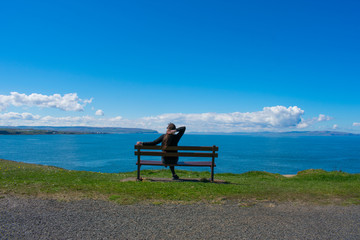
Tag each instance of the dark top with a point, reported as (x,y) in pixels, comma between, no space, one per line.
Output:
(173,140)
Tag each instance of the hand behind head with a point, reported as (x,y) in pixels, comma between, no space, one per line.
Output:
(170,131)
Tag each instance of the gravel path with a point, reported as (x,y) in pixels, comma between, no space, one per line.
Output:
(22,218)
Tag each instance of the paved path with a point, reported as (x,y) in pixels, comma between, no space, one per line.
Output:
(88,219)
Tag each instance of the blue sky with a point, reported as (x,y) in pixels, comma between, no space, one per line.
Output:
(210,65)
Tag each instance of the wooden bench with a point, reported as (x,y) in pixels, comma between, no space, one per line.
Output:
(210,152)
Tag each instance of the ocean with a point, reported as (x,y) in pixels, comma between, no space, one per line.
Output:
(111,153)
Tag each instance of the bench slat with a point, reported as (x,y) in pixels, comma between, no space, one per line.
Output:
(191,148)
(176,154)
(159,163)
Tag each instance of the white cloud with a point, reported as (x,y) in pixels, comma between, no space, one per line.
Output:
(68,102)
(99,112)
(356,124)
(323,118)
(308,122)
(335,126)
(278,118)
(18,116)
(116,119)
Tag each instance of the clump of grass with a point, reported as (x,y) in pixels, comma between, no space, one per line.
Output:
(317,186)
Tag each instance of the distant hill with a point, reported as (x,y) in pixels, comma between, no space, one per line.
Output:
(12,131)
(35,130)
(290,134)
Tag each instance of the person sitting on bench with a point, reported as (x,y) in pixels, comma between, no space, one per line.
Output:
(168,139)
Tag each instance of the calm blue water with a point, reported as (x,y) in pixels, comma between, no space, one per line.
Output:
(237,154)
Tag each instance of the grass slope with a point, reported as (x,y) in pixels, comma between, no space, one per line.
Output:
(316,186)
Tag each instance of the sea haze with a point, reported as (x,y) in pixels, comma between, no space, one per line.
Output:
(237,153)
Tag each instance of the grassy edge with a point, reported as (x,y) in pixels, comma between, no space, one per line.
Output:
(309,186)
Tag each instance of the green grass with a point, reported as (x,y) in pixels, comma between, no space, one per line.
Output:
(315,186)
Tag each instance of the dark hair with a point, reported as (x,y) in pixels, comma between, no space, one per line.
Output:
(171,126)
(165,140)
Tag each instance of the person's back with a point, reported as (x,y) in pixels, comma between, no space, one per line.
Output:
(172,140)
(166,140)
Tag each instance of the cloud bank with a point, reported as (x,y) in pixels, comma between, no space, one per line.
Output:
(356,124)
(270,118)
(277,118)
(68,102)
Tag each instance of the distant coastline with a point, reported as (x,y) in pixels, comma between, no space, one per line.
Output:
(49,130)
(12,131)
(281,134)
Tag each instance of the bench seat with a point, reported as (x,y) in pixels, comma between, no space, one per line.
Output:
(192,163)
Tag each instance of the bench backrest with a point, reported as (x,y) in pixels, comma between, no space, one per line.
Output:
(184,151)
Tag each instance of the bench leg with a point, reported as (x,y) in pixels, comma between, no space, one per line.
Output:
(212,174)
(138,173)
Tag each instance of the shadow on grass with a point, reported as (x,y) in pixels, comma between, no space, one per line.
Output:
(194,180)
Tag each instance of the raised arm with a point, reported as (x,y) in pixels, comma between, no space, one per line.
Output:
(181,131)
(155,142)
